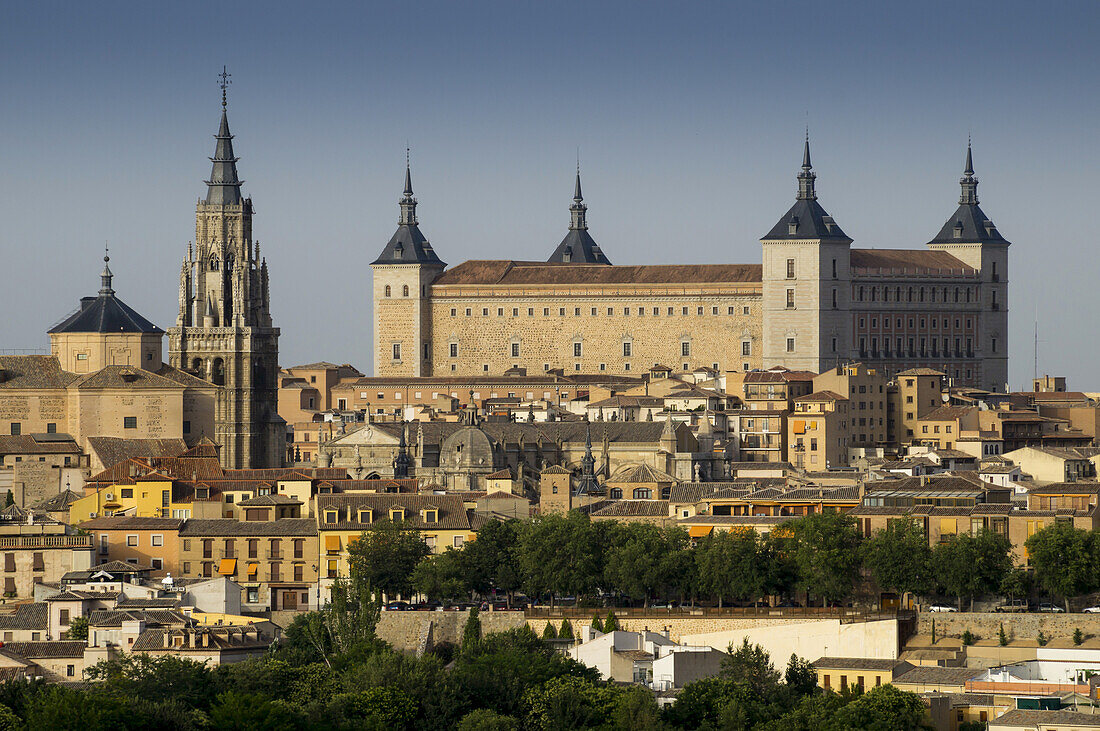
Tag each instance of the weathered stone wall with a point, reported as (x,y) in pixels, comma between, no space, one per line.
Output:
(679,626)
(546,325)
(402,629)
(986,625)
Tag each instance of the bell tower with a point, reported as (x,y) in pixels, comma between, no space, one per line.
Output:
(223,331)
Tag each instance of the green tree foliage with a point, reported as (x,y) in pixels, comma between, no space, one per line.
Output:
(252,712)
(610,624)
(1016,583)
(484,719)
(384,557)
(566,631)
(9,499)
(750,665)
(549,632)
(638,563)
(825,550)
(492,561)
(155,678)
(442,577)
(597,623)
(800,676)
(971,566)
(1063,559)
(882,709)
(471,633)
(731,564)
(899,557)
(561,554)
(78,628)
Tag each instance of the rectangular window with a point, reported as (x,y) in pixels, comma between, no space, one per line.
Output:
(790,298)
(16,430)
(515,350)
(790,268)
(685,349)
(454,350)
(131,540)
(158,540)
(129,422)
(397,351)
(626,350)
(746,348)
(576,350)
(790,345)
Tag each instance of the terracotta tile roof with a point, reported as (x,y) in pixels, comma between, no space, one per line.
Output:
(30,444)
(1065,488)
(219,638)
(855,663)
(915,261)
(45,649)
(155,603)
(820,396)
(642,473)
(115,617)
(124,522)
(927,675)
(556,470)
(778,376)
(632,508)
(33,371)
(526,273)
(268,501)
(26,616)
(125,377)
(183,378)
(197,527)
(59,502)
(1032,719)
(735,520)
(112,450)
(921,372)
(452,514)
(948,413)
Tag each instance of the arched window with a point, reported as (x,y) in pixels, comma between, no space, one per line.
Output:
(213,263)
(387,290)
(922,294)
(616,493)
(642,493)
(405,291)
(910,294)
(217,372)
(968,294)
(956,294)
(897,295)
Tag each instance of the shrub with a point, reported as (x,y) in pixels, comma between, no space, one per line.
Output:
(548,632)
(1042,639)
(968,638)
(1078,636)
(1002,638)
(597,624)
(610,624)
(566,631)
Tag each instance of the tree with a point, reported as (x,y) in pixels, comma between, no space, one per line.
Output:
(9,499)
(637,562)
(155,678)
(566,631)
(730,565)
(78,628)
(441,577)
(899,557)
(570,702)
(251,712)
(825,550)
(484,719)
(549,632)
(385,556)
(751,665)
(972,566)
(800,676)
(492,562)
(883,709)
(471,633)
(610,624)
(1062,556)
(597,624)
(561,555)
(1016,583)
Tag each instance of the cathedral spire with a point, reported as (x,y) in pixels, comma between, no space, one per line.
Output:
(968,183)
(587,484)
(105,277)
(806,178)
(224,187)
(408,203)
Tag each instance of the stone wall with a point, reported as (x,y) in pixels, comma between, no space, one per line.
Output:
(545,327)
(1023,626)
(678,626)
(403,629)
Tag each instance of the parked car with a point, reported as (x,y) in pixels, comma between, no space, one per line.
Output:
(1050,608)
(1091,610)
(1013,605)
(942,608)
(397,606)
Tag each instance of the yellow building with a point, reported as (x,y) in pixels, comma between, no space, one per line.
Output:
(840,673)
(819,432)
(441,520)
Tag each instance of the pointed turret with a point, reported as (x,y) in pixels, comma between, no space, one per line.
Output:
(969,224)
(402,462)
(408,245)
(578,247)
(806,219)
(224,187)
(105,278)
(105,313)
(587,484)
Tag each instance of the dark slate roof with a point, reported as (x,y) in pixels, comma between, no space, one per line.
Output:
(813,223)
(581,248)
(58,502)
(855,663)
(973,228)
(224,187)
(451,512)
(416,249)
(105,314)
(506,272)
(632,508)
(115,617)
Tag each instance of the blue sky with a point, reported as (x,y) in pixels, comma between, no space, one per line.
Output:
(689,119)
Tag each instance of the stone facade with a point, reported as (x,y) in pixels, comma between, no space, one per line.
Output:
(813,303)
(224,332)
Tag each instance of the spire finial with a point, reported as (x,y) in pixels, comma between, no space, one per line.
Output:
(106,275)
(408,174)
(407,202)
(806,177)
(969,184)
(224,83)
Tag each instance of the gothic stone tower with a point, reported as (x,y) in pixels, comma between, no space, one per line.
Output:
(403,274)
(223,332)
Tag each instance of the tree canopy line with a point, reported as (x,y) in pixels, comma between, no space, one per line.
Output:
(331,672)
(821,557)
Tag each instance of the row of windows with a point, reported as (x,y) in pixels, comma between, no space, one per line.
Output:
(594,311)
(915,346)
(628,349)
(933,323)
(961,294)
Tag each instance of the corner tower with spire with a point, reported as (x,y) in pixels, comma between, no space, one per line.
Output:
(578,246)
(403,274)
(804,283)
(970,236)
(224,332)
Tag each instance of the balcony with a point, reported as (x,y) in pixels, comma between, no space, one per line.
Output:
(40,541)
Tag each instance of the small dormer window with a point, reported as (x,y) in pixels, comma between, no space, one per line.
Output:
(792,225)
(330,516)
(397,514)
(958,229)
(399,251)
(431,515)
(366,516)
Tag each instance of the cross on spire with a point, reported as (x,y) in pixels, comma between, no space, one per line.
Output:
(224,83)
